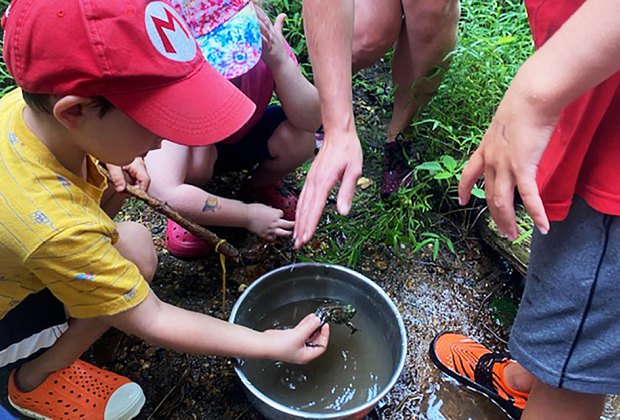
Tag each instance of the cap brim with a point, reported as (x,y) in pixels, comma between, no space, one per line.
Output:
(235,46)
(201,109)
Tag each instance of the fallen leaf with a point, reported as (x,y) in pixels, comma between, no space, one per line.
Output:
(364,182)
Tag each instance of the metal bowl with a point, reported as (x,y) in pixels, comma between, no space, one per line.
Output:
(313,280)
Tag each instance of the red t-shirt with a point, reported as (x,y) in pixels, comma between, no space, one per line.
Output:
(584,150)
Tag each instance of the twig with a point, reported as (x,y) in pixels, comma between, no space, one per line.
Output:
(244,412)
(221,246)
(404,400)
(486,327)
(173,389)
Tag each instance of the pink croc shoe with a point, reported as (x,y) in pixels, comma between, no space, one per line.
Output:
(183,244)
(278,196)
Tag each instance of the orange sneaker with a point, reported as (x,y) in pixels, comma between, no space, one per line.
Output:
(476,367)
(80,391)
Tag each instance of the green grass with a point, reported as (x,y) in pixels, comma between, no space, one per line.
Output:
(494,40)
(6,81)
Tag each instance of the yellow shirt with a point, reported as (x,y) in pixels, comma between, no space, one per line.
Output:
(53,233)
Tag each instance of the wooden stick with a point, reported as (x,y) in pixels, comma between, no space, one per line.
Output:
(220,245)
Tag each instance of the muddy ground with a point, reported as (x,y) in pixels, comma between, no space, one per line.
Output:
(453,292)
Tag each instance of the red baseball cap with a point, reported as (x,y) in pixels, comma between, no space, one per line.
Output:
(138,54)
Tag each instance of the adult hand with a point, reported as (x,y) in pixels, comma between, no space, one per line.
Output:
(508,156)
(267,222)
(301,344)
(340,158)
(274,45)
(135,174)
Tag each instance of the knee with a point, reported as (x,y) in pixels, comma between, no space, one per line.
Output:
(370,45)
(136,244)
(291,142)
(431,19)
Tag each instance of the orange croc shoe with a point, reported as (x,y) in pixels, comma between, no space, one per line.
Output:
(476,367)
(80,391)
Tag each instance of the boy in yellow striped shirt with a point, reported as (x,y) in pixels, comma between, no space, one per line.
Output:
(100,81)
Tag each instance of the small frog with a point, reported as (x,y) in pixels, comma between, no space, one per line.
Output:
(338,314)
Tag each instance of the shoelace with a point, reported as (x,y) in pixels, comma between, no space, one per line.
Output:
(484,375)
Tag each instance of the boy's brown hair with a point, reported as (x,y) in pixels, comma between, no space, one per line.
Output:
(40,102)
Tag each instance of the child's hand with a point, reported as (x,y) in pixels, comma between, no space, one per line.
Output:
(267,222)
(508,157)
(301,344)
(274,45)
(135,174)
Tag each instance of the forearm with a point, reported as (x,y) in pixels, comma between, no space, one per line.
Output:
(177,329)
(582,53)
(207,209)
(329,31)
(299,98)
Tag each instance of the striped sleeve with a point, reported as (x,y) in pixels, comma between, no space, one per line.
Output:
(86,272)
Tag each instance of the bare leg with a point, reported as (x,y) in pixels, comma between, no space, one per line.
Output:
(547,402)
(428,34)
(136,245)
(376,29)
(518,378)
(289,147)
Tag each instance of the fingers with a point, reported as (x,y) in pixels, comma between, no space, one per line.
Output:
(501,203)
(310,208)
(283,233)
(318,341)
(310,323)
(284,228)
(118,177)
(260,14)
(347,189)
(471,173)
(286,224)
(308,329)
(300,201)
(533,203)
(279,23)
(137,170)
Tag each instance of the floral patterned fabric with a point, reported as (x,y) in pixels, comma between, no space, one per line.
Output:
(227,32)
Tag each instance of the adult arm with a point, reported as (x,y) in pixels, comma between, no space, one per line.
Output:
(329,31)
(548,81)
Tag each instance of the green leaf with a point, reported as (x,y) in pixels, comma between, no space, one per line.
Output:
(449,162)
(429,166)
(435,249)
(444,175)
(503,311)
(478,192)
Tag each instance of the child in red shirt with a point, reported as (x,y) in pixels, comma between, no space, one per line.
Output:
(556,137)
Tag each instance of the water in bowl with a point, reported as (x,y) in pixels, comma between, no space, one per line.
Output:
(353,370)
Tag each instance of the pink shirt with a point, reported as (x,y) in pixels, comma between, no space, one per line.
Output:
(258,85)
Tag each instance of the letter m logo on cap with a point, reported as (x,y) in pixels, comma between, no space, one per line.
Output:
(168,32)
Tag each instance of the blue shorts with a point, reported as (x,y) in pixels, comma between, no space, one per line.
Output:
(567,330)
(253,148)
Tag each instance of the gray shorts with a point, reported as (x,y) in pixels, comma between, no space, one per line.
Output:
(567,331)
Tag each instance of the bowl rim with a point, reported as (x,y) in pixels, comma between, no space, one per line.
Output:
(312,415)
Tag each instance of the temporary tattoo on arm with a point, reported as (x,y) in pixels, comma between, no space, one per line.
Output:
(211,204)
